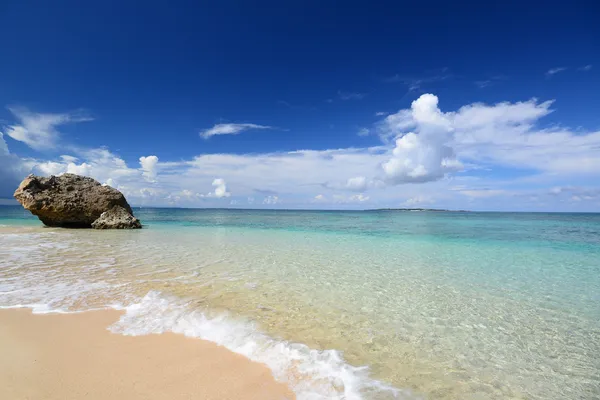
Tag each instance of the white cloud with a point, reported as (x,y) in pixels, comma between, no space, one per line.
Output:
(359,197)
(554,71)
(110,182)
(341,199)
(3,146)
(220,188)
(38,130)
(482,193)
(99,164)
(82,169)
(230,129)
(68,159)
(380,113)
(271,200)
(12,169)
(417,200)
(363,132)
(358,183)
(585,68)
(503,134)
(484,83)
(52,168)
(582,193)
(148,166)
(424,155)
(350,95)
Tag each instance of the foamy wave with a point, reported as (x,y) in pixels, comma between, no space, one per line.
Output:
(312,374)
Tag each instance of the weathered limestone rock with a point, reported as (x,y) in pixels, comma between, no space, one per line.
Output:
(72,201)
(116,218)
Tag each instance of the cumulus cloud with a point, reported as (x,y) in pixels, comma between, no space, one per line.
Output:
(51,168)
(81,169)
(110,182)
(39,130)
(503,134)
(148,166)
(424,155)
(100,164)
(220,188)
(230,129)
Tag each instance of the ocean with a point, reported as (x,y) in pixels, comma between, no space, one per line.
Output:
(341,304)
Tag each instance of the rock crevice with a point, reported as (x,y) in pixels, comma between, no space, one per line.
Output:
(74,201)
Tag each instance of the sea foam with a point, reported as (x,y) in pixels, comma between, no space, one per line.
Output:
(312,374)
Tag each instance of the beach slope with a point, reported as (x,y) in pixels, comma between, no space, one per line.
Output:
(74,356)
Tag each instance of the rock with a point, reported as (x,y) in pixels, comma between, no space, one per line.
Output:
(70,200)
(116,218)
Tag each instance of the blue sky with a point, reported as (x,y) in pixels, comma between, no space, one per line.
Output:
(307,104)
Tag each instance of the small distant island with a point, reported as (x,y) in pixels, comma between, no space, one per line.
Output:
(417,209)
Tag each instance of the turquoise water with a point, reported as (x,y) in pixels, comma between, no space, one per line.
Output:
(436,305)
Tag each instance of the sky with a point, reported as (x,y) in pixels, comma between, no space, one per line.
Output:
(307,104)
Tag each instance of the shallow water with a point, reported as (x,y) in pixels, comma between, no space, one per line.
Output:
(346,305)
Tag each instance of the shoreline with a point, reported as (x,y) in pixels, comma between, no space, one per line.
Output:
(72,356)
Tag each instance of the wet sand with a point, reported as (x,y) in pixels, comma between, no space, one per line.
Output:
(74,356)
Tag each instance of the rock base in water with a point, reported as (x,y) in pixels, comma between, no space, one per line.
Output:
(116,218)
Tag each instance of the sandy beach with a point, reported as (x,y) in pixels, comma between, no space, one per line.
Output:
(74,356)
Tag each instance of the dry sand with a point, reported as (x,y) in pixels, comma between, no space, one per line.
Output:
(58,356)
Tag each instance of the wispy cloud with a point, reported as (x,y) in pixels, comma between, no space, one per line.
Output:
(39,130)
(363,132)
(482,84)
(585,68)
(230,129)
(554,71)
(381,113)
(350,95)
(417,83)
(482,193)
(295,106)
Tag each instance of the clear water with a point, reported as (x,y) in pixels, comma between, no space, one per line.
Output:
(342,305)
